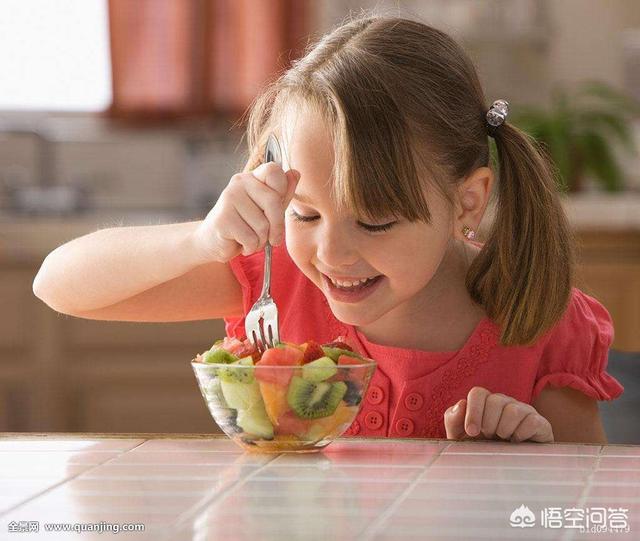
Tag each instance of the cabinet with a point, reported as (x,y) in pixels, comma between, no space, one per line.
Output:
(609,270)
(60,373)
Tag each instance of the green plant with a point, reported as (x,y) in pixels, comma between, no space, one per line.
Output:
(579,132)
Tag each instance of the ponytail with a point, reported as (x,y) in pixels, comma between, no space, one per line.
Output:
(524,273)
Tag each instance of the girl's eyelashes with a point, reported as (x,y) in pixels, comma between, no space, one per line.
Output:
(368,227)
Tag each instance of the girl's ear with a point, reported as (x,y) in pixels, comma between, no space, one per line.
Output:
(472,197)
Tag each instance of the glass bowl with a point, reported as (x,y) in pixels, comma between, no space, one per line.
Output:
(275,409)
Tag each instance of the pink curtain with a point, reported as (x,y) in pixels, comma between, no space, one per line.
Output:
(188,58)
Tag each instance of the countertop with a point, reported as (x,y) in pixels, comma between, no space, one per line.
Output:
(202,486)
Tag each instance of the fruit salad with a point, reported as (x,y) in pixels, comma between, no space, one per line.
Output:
(291,397)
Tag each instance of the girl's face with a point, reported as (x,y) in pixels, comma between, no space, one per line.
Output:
(406,255)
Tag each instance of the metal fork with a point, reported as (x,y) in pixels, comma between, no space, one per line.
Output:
(261,323)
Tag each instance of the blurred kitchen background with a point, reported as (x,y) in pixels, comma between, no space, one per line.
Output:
(124,113)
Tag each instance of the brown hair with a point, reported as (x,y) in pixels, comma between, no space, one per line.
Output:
(410,92)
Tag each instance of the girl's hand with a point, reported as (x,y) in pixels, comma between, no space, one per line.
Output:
(486,415)
(249,212)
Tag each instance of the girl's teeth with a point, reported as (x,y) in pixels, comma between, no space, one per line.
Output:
(350,284)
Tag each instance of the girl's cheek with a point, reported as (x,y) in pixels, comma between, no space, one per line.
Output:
(301,250)
(294,242)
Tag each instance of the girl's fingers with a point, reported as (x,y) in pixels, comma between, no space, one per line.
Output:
(454,420)
(271,204)
(272,175)
(533,427)
(475,410)
(253,216)
(495,416)
(292,178)
(512,415)
(236,231)
(493,407)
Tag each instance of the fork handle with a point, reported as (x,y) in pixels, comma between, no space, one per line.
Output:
(266,283)
(271,154)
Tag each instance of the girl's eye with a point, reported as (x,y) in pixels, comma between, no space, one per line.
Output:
(368,227)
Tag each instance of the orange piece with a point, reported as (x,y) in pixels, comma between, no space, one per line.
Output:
(275,399)
(327,425)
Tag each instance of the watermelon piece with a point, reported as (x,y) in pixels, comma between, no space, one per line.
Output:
(245,349)
(356,374)
(274,397)
(339,344)
(279,356)
(349,359)
(239,348)
(227,343)
(290,423)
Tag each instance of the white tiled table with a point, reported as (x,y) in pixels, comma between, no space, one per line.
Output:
(205,487)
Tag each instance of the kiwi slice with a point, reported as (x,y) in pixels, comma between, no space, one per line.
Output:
(312,400)
(238,375)
(334,353)
(320,369)
(218,356)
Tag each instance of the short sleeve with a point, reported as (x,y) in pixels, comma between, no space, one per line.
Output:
(576,351)
(248,271)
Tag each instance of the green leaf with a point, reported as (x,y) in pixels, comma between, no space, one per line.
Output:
(579,130)
(602,121)
(621,103)
(599,160)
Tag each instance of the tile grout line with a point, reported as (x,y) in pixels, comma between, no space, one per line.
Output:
(524,454)
(569,535)
(376,524)
(37,495)
(209,499)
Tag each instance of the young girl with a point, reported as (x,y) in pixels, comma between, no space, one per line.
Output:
(385,179)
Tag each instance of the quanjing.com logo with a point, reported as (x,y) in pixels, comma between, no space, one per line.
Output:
(589,519)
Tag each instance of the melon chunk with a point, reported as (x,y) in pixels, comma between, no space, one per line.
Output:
(275,399)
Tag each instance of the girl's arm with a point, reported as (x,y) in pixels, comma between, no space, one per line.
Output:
(139,273)
(557,415)
(574,416)
(173,272)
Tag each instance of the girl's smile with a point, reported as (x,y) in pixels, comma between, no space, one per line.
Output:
(354,293)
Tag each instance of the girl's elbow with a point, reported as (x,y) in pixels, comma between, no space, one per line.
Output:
(39,285)
(43,288)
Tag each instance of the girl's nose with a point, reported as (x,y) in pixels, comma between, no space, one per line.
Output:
(336,248)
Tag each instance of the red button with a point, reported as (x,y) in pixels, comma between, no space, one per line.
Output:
(404,426)
(373,420)
(375,395)
(413,401)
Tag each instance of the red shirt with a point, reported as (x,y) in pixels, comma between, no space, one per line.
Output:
(411,389)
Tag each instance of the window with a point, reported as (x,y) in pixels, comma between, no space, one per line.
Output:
(54,55)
